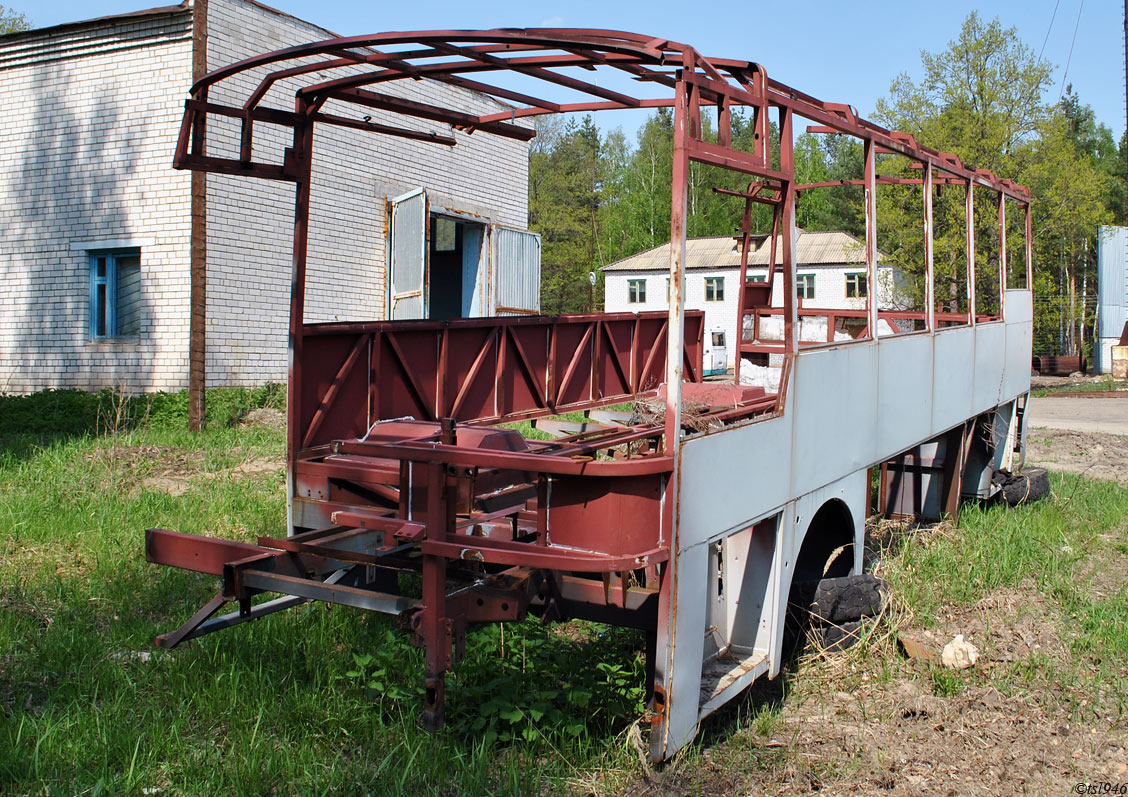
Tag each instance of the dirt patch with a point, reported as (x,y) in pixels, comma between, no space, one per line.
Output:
(265,418)
(176,481)
(1038,382)
(1097,456)
(899,738)
(175,470)
(878,722)
(1008,625)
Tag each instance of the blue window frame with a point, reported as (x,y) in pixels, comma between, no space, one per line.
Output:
(115,294)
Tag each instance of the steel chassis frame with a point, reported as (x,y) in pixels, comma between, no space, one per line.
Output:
(395,457)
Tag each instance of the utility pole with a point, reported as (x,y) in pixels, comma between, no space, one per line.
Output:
(198,258)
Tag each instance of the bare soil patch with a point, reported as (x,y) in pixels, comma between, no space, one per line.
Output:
(1039,382)
(878,722)
(899,738)
(175,470)
(1097,456)
(1007,625)
(266,418)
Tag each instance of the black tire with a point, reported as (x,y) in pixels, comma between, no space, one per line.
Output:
(828,611)
(846,599)
(1031,485)
(833,638)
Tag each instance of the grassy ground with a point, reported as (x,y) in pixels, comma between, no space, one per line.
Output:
(314,700)
(1107,383)
(1041,590)
(319,700)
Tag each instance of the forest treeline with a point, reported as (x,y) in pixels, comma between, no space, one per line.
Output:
(597,197)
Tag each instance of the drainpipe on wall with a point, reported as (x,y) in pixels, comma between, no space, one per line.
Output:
(198,306)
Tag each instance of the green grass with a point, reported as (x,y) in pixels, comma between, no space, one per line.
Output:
(995,546)
(1103,385)
(282,705)
(529,430)
(325,700)
(1071,550)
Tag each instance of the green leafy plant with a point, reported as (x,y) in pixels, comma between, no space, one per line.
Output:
(386,673)
(519,681)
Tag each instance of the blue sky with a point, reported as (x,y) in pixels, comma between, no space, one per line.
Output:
(836,51)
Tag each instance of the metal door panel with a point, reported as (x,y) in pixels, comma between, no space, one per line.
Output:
(835,407)
(407,259)
(679,652)
(750,465)
(1020,331)
(516,271)
(474,281)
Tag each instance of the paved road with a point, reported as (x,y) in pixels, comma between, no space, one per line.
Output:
(1102,415)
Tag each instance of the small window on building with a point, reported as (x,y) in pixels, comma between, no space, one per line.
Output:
(718,339)
(714,289)
(757,277)
(115,294)
(636,291)
(446,234)
(805,286)
(856,286)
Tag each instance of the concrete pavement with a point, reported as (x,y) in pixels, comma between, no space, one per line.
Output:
(1094,415)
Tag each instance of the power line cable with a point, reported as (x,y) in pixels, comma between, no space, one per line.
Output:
(1052,18)
(1069,58)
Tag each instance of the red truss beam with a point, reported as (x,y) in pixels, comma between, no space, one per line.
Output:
(387,102)
(536,53)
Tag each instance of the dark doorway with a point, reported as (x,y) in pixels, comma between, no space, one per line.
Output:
(455,251)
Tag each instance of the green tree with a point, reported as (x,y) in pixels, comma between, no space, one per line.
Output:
(635,211)
(1095,142)
(983,98)
(12,21)
(821,158)
(1071,195)
(565,178)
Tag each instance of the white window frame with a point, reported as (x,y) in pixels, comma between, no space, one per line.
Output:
(636,290)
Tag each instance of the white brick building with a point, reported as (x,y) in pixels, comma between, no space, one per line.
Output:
(830,272)
(96,226)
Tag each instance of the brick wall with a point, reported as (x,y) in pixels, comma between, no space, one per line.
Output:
(91,115)
(250,222)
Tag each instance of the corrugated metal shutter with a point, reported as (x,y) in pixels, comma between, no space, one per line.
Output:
(1112,281)
(408,255)
(516,271)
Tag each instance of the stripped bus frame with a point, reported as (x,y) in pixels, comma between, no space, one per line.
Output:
(396,459)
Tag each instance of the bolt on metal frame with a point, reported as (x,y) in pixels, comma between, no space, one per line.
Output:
(593,524)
